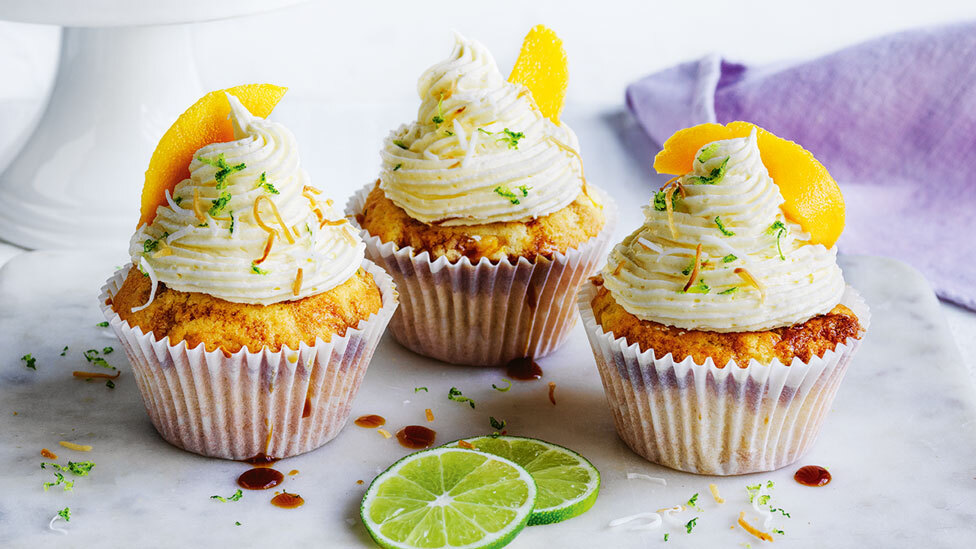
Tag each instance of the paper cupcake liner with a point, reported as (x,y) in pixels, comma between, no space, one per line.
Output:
(719,421)
(485,314)
(277,403)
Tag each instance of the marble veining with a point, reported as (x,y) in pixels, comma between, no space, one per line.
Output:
(899,440)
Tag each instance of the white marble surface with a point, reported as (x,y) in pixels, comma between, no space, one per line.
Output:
(899,440)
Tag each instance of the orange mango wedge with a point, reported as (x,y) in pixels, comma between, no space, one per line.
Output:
(206,122)
(813,199)
(542,67)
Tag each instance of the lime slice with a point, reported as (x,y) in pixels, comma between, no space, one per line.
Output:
(448,497)
(568,484)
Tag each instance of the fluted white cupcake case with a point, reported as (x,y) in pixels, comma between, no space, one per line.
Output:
(277,403)
(719,421)
(485,314)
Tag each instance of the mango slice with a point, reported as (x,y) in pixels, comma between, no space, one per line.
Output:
(543,68)
(206,122)
(813,199)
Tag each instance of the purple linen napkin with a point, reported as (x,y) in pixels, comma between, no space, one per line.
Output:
(893,119)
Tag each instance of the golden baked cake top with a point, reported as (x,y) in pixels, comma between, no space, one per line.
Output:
(482,150)
(245,226)
(721,249)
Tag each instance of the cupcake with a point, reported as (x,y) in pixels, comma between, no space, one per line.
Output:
(722,326)
(481,212)
(249,312)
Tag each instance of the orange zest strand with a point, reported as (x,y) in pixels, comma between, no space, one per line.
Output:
(267,248)
(307,192)
(88,375)
(196,206)
(430,414)
(384,432)
(694,272)
(335,223)
(751,529)
(296,288)
(465,444)
(669,206)
(552,392)
(714,490)
(48,454)
(747,276)
(670,181)
(76,447)
(281,222)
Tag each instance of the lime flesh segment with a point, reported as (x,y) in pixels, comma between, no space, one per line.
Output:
(448,497)
(568,484)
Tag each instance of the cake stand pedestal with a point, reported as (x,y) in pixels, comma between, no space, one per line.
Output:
(126,72)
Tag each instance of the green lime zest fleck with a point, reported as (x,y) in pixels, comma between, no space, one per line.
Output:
(258,270)
(504,192)
(64,351)
(660,200)
(107,350)
(707,153)
(497,425)
(693,502)
(79,468)
(779,230)
(232,221)
(666,536)
(511,138)
(102,324)
(237,523)
(781,511)
(223,169)
(91,355)
(690,525)
(397,167)
(728,291)
(418,389)
(30,361)
(714,177)
(699,288)
(263,183)
(65,514)
(149,245)
(237,496)
(177,200)
(219,204)
(438,118)
(778,531)
(721,227)
(502,389)
(400,144)
(729,258)
(110,384)
(455,395)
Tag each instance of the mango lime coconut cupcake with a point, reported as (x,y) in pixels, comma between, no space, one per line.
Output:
(249,313)
(722,327)
(481,212)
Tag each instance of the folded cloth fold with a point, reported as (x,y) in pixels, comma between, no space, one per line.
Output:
(893,119)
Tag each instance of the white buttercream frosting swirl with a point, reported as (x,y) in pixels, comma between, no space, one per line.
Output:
(463,162)
(647,272)
(217,247)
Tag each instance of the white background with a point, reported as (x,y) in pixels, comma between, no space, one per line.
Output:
(343,52)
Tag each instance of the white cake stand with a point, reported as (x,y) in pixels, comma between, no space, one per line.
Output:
(126,72)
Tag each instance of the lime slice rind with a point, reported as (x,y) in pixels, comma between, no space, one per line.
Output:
(446,522)
(543,459)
